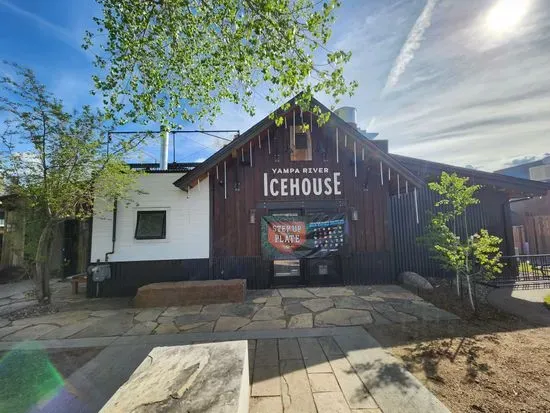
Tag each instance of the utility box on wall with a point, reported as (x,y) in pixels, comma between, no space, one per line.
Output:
(100,273)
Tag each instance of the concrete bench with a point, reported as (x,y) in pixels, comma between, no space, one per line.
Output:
(197,378)
(183,293)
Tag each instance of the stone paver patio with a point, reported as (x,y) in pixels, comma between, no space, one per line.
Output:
(295,308)
(332,374)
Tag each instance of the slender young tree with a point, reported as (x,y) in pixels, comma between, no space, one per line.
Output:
(56,162)
(472,256)
(179,60)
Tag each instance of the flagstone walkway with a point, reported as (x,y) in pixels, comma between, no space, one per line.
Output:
(332,374)
(294,308)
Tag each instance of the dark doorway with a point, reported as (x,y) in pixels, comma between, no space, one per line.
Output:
(70,248)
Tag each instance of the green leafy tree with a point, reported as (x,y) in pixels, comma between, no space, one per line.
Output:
(471,257)
(56,162)
(179,60)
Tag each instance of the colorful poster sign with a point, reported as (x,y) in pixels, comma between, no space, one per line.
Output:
(287,236)
(312,236)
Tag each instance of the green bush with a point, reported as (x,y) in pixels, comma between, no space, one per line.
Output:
(547,301)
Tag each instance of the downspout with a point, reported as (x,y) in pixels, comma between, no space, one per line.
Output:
(115,207)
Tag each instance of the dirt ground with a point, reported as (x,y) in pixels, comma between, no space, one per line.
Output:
(491,362)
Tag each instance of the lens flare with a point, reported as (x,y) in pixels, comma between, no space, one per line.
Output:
(27,379)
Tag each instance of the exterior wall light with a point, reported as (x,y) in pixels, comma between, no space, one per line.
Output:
(354,214)
(252,216)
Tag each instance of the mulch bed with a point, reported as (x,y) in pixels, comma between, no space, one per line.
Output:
(488,362)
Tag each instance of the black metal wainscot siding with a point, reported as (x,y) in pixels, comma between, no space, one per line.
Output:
(411,255)
(127,277)
(368,268)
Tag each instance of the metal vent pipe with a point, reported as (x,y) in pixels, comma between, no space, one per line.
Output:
(164,139)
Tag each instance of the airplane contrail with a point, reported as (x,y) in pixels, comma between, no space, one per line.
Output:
(411,45)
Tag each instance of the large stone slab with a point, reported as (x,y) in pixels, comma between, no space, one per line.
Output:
(331,291)
(295,308)
(241,310)
(204,328)
(318,304)
(230,323)
(168,328)
(424,310)
(393,292)
(195,318)
(70,330)
(16,306)
(295,293)
(114,325)
(142,329)
(216,309)
(149,314)
(352,388)
(397,317)
(352,303)
(265,381)
(273,301)
(296,392)
(59,319)
(314,357)
(289,349)
(265,325)
(301,321)
(198,378)
(6,331)
(266,353)
(394,389)
(331,402)
(266,405)
(30,333)
(342,317)
(269,313)
(323,382)
(191,292)
(177,311)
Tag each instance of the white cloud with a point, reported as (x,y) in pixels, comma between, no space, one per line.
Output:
(63,34)
(411,45)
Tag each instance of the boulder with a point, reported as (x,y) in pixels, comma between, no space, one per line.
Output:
(413,280)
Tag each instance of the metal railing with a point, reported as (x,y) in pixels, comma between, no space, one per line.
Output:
(524,271)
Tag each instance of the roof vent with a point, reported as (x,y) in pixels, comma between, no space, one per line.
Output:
(348,114)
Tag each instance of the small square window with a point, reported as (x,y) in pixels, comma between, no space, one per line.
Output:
(151,225)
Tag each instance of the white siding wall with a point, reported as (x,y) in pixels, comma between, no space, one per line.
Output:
(187,223)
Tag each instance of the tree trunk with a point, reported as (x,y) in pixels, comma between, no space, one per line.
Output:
(458,291)
(476,301)
(468,280)
(42,257)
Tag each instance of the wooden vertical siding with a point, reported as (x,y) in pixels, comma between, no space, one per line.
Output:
(410,255)
(234,235)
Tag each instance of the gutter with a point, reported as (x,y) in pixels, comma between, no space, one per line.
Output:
(115,208)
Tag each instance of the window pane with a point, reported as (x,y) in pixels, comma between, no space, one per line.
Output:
(151,224)
(300,141)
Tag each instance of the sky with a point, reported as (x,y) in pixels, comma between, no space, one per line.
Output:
(463,82)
